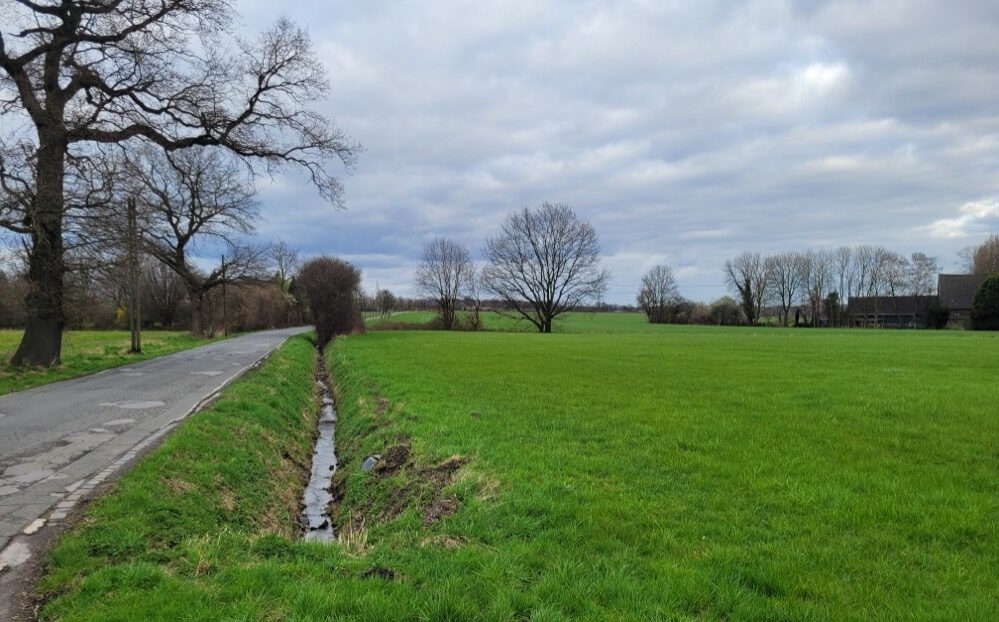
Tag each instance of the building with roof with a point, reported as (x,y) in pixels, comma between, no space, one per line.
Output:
(889,311)
(957,293)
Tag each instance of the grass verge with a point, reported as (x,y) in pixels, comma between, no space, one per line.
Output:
(86,351)
(197,529)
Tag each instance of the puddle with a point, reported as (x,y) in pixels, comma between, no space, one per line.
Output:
(15,554)
(316,521)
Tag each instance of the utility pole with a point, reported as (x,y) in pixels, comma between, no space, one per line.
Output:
(134,311)
(225,313)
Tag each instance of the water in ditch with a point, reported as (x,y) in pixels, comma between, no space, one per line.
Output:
(316,523)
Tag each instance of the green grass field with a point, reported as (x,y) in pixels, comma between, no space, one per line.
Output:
(86,351)
(626,473)
(579,322)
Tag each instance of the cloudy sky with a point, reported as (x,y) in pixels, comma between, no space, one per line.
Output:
(684,131)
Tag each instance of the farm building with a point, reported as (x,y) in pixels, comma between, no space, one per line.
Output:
(890,311)
(957,293)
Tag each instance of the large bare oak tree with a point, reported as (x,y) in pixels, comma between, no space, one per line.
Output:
(544,262)
(172,73)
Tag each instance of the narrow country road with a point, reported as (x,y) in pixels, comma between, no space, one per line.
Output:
(59,441)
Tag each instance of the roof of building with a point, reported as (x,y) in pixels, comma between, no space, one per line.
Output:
(957,291)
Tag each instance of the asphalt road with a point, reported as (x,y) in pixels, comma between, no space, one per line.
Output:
(60,441)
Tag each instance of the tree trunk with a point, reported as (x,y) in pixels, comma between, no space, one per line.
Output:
(42,340)
(197,313)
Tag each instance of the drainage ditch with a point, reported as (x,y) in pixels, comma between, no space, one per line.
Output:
(316,522)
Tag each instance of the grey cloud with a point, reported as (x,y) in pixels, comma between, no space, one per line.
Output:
(685,132)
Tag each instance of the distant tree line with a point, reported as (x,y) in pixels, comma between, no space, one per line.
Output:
(816,285)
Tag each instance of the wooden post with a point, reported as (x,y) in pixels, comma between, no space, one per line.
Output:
(134,311)
(225,313)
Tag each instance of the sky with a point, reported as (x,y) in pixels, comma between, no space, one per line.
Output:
(685,132)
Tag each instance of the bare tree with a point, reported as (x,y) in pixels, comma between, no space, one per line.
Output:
(787,277)
(172,73)
(444,275)
(285,261)
(189,199)
(966,256)
(896,272)
(923,273)
(544,262)
(818,276)
(333,288)
(985,259)
(385,302)
(845,272)
(659,294)
(748,276)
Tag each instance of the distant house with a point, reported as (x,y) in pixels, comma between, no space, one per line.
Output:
(889,311)
(957,293)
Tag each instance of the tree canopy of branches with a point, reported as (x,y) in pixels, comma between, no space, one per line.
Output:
(171,73)
(748,276)
(445,273)
(544,262)
(333,288)
(190,198)
(658,295)
(985,258)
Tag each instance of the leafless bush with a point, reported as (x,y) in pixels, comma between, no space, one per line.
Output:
(333,288)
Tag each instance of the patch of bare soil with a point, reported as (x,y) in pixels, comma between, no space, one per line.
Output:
(439,508)
(419,485)
(393,460)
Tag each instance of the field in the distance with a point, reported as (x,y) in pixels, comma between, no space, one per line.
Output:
(86,351)
(682,473)
(492,321)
